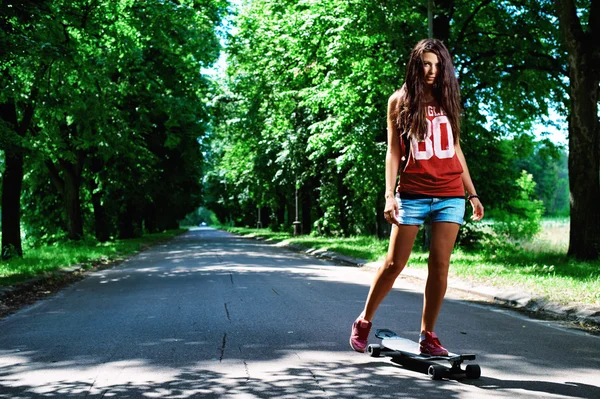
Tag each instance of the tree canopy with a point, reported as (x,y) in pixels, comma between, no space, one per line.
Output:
(304,98)
(111,126)
(103,105)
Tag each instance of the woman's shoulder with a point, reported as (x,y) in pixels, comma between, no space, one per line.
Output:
(397,96)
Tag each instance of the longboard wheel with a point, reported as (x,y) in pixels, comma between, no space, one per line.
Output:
(374,350)
(436,372)
(473,371)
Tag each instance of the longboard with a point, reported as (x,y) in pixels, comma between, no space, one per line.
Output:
(400,348)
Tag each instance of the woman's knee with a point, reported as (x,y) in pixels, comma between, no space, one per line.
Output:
(391,268)
(438,271)
(439,264)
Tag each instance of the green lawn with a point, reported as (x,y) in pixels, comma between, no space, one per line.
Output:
(539,266)
(46,259)
(359,247)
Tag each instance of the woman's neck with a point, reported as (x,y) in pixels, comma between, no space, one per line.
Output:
(427,95)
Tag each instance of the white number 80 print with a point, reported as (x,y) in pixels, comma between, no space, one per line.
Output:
(434,147)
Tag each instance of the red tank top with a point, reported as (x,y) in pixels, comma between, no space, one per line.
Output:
(434,169)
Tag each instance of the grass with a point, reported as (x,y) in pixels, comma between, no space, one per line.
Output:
(550,275)
(38,261)
(361,247)
(539,266)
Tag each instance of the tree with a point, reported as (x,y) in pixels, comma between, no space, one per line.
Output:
(580,41)
(22,67)
(548,165)
(95,86)
(310,81)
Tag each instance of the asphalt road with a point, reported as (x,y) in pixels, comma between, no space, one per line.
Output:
(213,315)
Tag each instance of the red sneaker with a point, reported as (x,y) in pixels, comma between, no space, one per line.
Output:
(360,335)
(431,345)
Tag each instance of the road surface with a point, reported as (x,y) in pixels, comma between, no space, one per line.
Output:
(210,314)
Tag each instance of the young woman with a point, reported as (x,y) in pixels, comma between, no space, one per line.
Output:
(423,144)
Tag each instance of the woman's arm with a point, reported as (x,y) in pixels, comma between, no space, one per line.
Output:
(392,162)
(468,183)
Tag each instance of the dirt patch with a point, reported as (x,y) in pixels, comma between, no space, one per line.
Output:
(29,293)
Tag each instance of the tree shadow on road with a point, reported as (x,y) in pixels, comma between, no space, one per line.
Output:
(568,389)
(312,380)
(377,378)
(536,388)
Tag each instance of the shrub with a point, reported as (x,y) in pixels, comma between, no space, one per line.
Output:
(521,218)
(473,236)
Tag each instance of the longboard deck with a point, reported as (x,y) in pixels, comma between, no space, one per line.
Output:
(397,347)
(411,348)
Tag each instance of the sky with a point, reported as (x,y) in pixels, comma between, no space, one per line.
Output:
(556,135)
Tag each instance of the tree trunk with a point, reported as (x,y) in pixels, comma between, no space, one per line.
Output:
(69,186)
(73,205)
(11,187)
(131,221)
(341,190)
(584,167)
(443,10)
(280,211)
(126,223)
(150,219)
(100,222)
(584,133)
(11,204)
(172,224)
(264,216)
(13,174)
(306,207)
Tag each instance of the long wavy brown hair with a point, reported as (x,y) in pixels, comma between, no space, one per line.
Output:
(410,113)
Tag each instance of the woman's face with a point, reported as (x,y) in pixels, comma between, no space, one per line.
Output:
(431,67)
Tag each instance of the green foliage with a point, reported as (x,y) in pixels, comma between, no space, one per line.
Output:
(199,216)
(307,110)
(472,236)
(125,122)
(43,216)
(548,165)
(120,109)
(303,104)
(521,216)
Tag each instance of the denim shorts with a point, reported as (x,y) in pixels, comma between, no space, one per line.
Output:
(414,211)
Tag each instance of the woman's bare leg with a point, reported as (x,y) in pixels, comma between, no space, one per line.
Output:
(401,242)
(443,237)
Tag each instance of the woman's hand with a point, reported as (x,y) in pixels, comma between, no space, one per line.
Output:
(391,210)
(477,209)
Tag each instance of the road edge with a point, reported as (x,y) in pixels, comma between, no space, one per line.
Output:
(535,306)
